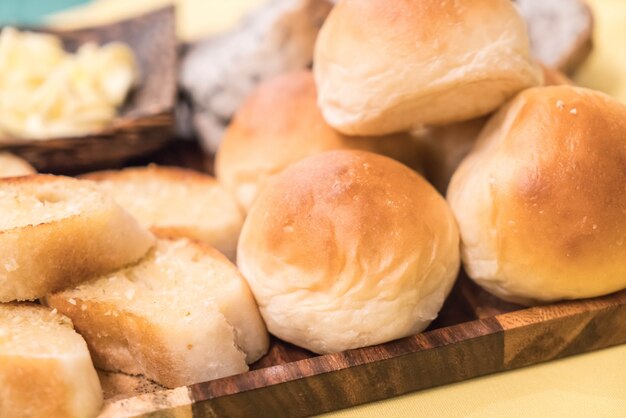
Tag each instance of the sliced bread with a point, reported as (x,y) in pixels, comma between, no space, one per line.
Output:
(177,201)
(45,368)
(56,232)
(183,315)
(11,166)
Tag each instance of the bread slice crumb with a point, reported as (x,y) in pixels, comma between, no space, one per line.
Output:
(45,367)
(182,315)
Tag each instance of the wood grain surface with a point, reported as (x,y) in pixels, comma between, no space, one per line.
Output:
(476,334)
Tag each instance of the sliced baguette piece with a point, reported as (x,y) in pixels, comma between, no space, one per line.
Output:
(178,202)
(56,232)
(45,368)
(183,315)
(11,166)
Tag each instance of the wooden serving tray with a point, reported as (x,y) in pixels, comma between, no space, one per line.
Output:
(475,334)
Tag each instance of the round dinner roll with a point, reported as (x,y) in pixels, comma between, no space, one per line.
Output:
(389,66)
(280,124)
(540,199)
(347,249)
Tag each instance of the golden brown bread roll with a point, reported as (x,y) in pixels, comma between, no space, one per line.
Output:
(280,124)
(346,249)
(444,147)
(388,66)
(540,199)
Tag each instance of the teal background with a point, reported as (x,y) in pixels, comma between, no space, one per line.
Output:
(31,12)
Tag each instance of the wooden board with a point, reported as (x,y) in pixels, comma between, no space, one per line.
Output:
(475,334)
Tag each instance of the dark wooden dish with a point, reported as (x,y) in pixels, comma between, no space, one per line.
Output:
(475,334)
(144,123)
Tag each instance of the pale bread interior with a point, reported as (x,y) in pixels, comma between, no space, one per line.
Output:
(45,366)
(190,204)
(195,302)
(38,202)
(36,331)
(56,232)
(157,200)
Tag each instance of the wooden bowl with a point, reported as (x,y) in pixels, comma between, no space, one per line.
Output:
(145,122)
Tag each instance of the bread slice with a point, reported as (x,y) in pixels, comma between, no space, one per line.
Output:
(45,368)
(11,166)
(57,231)
(560,31)
(178,202)
(183,315)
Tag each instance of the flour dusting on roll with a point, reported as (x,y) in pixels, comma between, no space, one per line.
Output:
(347,249)
(540,199)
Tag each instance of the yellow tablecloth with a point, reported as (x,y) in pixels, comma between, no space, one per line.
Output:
(589,385)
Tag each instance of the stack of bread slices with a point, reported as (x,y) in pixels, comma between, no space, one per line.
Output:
(85,283)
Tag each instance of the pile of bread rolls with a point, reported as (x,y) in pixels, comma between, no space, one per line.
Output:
(340,241)
(343,248)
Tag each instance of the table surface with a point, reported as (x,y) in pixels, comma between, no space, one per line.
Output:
(586,385)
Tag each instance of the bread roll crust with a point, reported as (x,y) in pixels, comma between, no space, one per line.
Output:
(280,124)
(540,200)
(346,249)
(389,66)
(50,253)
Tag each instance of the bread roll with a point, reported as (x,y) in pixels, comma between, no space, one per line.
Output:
(183,315)
(389,66)
(540,199)
(444,147)
(280,124)
(176,201)
(56,232)
(11,166)
(346,249)
(45,368)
